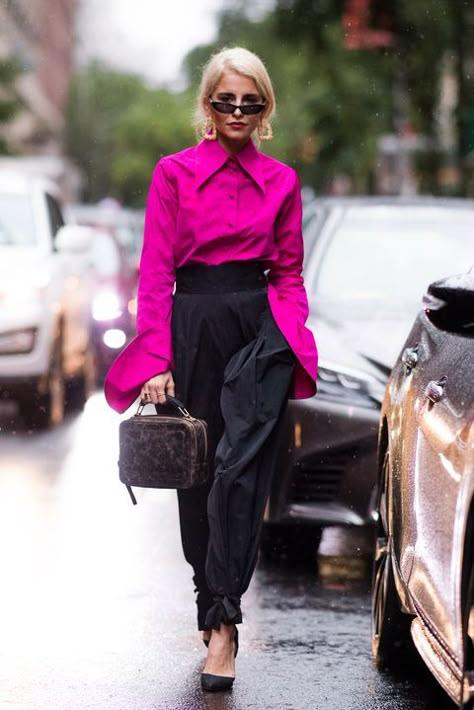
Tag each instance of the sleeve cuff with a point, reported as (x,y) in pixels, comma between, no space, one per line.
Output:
(136,364)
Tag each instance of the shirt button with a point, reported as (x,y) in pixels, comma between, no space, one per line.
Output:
(231,197)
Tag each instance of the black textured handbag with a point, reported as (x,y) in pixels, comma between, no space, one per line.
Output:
(162,451)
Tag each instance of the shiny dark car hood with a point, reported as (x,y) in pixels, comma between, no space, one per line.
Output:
(366,337)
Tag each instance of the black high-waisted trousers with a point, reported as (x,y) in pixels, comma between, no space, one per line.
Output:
(233,368)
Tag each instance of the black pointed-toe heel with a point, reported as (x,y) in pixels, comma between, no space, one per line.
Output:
(212,682)
(209,681)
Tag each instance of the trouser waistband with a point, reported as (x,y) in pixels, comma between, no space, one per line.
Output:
(219,278)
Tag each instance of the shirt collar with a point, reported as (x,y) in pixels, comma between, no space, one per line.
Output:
(211,156)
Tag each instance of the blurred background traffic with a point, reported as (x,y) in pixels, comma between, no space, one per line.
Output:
(375,97)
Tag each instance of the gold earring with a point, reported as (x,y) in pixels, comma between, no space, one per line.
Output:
(209,131)
(265,131)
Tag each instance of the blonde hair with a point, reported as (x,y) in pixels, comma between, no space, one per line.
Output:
(242,61)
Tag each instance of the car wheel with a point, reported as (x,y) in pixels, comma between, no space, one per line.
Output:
(79,389)
(46,408)
(295,543)
(468,632)
(390,626)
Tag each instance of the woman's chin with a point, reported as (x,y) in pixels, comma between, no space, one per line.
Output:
(235,136)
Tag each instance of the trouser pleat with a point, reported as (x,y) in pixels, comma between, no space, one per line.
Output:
(255,391)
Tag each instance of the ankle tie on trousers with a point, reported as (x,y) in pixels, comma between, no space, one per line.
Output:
(226,610)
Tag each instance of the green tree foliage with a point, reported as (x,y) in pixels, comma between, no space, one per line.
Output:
(159,124)
(118,128)
(9,103)
(98,100)
(427,31)
(332,103)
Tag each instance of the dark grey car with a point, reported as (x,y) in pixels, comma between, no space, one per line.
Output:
(423,582)
(367,264)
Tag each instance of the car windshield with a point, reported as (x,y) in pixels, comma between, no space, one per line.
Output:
(17,226)
(391,254)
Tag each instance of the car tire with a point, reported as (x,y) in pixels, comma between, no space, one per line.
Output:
(391,639)
(468,640)
(79,389)
(45,409)
(295,543)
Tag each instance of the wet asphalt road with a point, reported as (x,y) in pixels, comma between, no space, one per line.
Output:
(97,608)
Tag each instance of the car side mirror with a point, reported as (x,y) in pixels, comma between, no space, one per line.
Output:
(449,304)
(73,238)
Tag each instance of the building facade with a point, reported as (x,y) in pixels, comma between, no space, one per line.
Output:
(40,36)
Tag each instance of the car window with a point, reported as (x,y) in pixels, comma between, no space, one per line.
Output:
(392,253)
(17,225)
(55,216)
(311,223)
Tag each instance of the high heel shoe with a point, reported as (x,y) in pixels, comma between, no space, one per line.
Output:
(236,641)
(212,682)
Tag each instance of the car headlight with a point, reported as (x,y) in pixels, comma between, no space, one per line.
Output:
(106,306)
(114,338)
(349,388)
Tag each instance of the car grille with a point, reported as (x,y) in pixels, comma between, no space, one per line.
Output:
(318,480)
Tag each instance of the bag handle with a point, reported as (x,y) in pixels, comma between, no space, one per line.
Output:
(175,402)
(179,406)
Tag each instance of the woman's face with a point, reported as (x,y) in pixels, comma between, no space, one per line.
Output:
(234,129)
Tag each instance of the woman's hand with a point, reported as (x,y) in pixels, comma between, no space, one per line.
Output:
(153,390)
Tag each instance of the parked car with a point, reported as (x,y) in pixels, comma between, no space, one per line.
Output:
(367,263)
(423,581)
(46,359)
(115,258)
(114,299)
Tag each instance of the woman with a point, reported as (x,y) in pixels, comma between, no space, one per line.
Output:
(223,222)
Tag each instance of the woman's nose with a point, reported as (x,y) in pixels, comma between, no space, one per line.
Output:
(237,110)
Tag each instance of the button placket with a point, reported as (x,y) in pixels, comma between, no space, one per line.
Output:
(232,195)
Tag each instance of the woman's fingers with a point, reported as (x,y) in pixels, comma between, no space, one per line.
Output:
(154,390)
(167,386)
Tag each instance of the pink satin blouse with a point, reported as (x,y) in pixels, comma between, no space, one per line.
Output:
(207,206)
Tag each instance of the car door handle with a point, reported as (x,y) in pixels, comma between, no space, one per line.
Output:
(410,357)
(435,390)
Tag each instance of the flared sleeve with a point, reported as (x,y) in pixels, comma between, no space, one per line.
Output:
(150,352)
(287,294)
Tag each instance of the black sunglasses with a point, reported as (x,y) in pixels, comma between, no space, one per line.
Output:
(246,109)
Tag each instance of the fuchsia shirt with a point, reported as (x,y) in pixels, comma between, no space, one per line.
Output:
(206,206)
